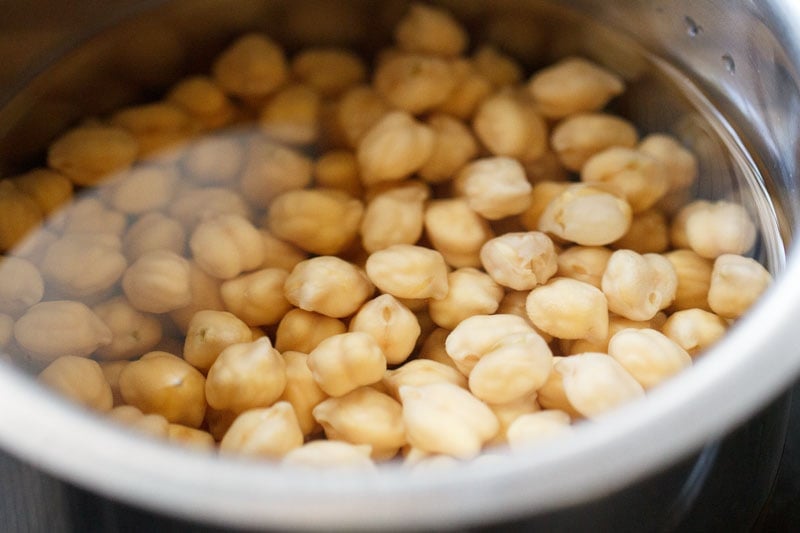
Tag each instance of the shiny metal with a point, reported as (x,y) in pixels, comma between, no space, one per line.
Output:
(744,56)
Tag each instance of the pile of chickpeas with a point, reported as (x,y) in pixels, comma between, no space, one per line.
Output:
(309,260)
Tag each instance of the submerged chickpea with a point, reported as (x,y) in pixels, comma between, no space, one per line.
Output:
(638,286)
(80,380)
(407,271)
(257,298)
(694,330)
(586,215)
(394,147)
(209,333)
(153,231)
(495,187)
(344,362)
(414,83)
(252,67)
(520,261)
(88,155)
(158,282)
(648,355)
(81,265)
(736,283)
(280,254)
(6,330)
(569,309)
(192,206)
(470,89)
(214,159)
(327,285)
(133,332)
(205,295)
(301,390)
(509,126)
(21,285)
(226,246)
(430,30)
(269,432)
(338,169)
(144,188)
(391,324)
(456,231)
(393,217)
(271,169)
(580,136)
(470,292)
(329,70)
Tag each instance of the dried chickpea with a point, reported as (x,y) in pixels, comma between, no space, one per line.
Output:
(330,455)
(291,115)
(396,146)
(638,286)
(364,416)
(736,283)
(509,126)
(694,279)
(582,135)
(272,169)
(533,428)
(245,376)
(327,285)
(471,292)
(50,190)
(414,83)
(583,263)
(542,194)
(156,127)
(214,159)
(226,246)
(21,285)
(203,100)
(520,261)
(694,330)
(357,111)
(158,282)
(680,163)
(257,298)
(495,187)
(430,30)
(20,215)
(641,179)
(195,439)
(320,221)
(72,329)
(133,332)
(444,418)
(302,331)
(573,85)
(192,206)
(456,231)
(497,67)
(330,71)
(648,233)
(479,335)
(453,147)
(648,355)
(269,432)
(153,231)
(88,155)
(205,295)
(714,229)
(407,271)
(393,217)
(569,309)
(301,390)
(586,215)
(421,372)
(91,216)
(391,324)
(344,362)
(209,333)
(152,424)
(80,380)
(338,169)
(252,67)
(143,188)
(164,384)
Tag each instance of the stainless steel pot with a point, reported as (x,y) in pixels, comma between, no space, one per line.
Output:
(680,56)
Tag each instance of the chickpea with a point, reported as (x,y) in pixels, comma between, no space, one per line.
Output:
(520,261)
(301,390)
(542,194)
(144,188)
(641,179)
(88,155)
(357,111)
(21,285)
(364,416)
(533,428)
(209,333)
(292,115)
(330,455)
(219,422)
(214,160)
(714,229)
(470,89)
(322,221)
(511,127)
(694,330)
(638,286)
(302,331)
(80,380)
(153,231)
(471,292)
(582,135)
(454,145)
(272,169)
(680,163)
(433,348)
(430,30)
(72,329)
(648,233)
(479,335)
(414,83)
(50,190)
(396,146)
(583,263)
(393,217)
(497,67)
(587,216)
(495,187)
(269,432)
(616,324)
(20,215)
(444,418)
(327,285)
(407,271)
(195,439)
(456,231)
(648,355)
(330,71)
(280,254)
(391,324)
(6,330)
(156,127)
(573,85)
(81,265)
(252,67)
(338,169)
(257,298)
(131,417)
(569,309)
(421,372)
(133,332)
(195,205)
(544,168)
(245,376)
(736,283)
(111,371)
(205,295)
(344,362)
(158,282)
(226,246)
(163,384)
(694,279)
(203,100)
(552,395)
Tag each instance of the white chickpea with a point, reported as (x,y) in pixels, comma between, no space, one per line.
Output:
(573,85)
(583,263)
(586,215)
(88,155)
(533,428)
(497,67)
(396,146)
(648,355)
(214,159)
(143,188)
(291,115)
(694,279)
(421,372)
(301,390)
(158,282)
(252,67)
(391,324)
(328,285)
(649,233)
(302,331)
(509,126)
(495,187)
(226,246)
(257,298)
(157,127)
(330,455)
(444,418)
(694,330)
(471,292)
(209,333)
(638,286)
(81,265)
(329,70)
(79,379)
(414,83)
(342,363)
(582,135)
(681,164)
(454,145)
(246,376)
(151,424)
(153,231)
(364,416)
(430,30)
(192,206)
(714,229)
(456,231)
(272,169)
(72,329)
(322,221)
(204,100)
(268,432)
(357,111)
(394,217)
(480,334)
(133,332)
(21,285)
(520,261)
(407,271)
(205,295)
(569,309)
(641,179)
(736,283)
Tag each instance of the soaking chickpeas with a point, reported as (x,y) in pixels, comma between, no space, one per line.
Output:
(21,285)
(79,379)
